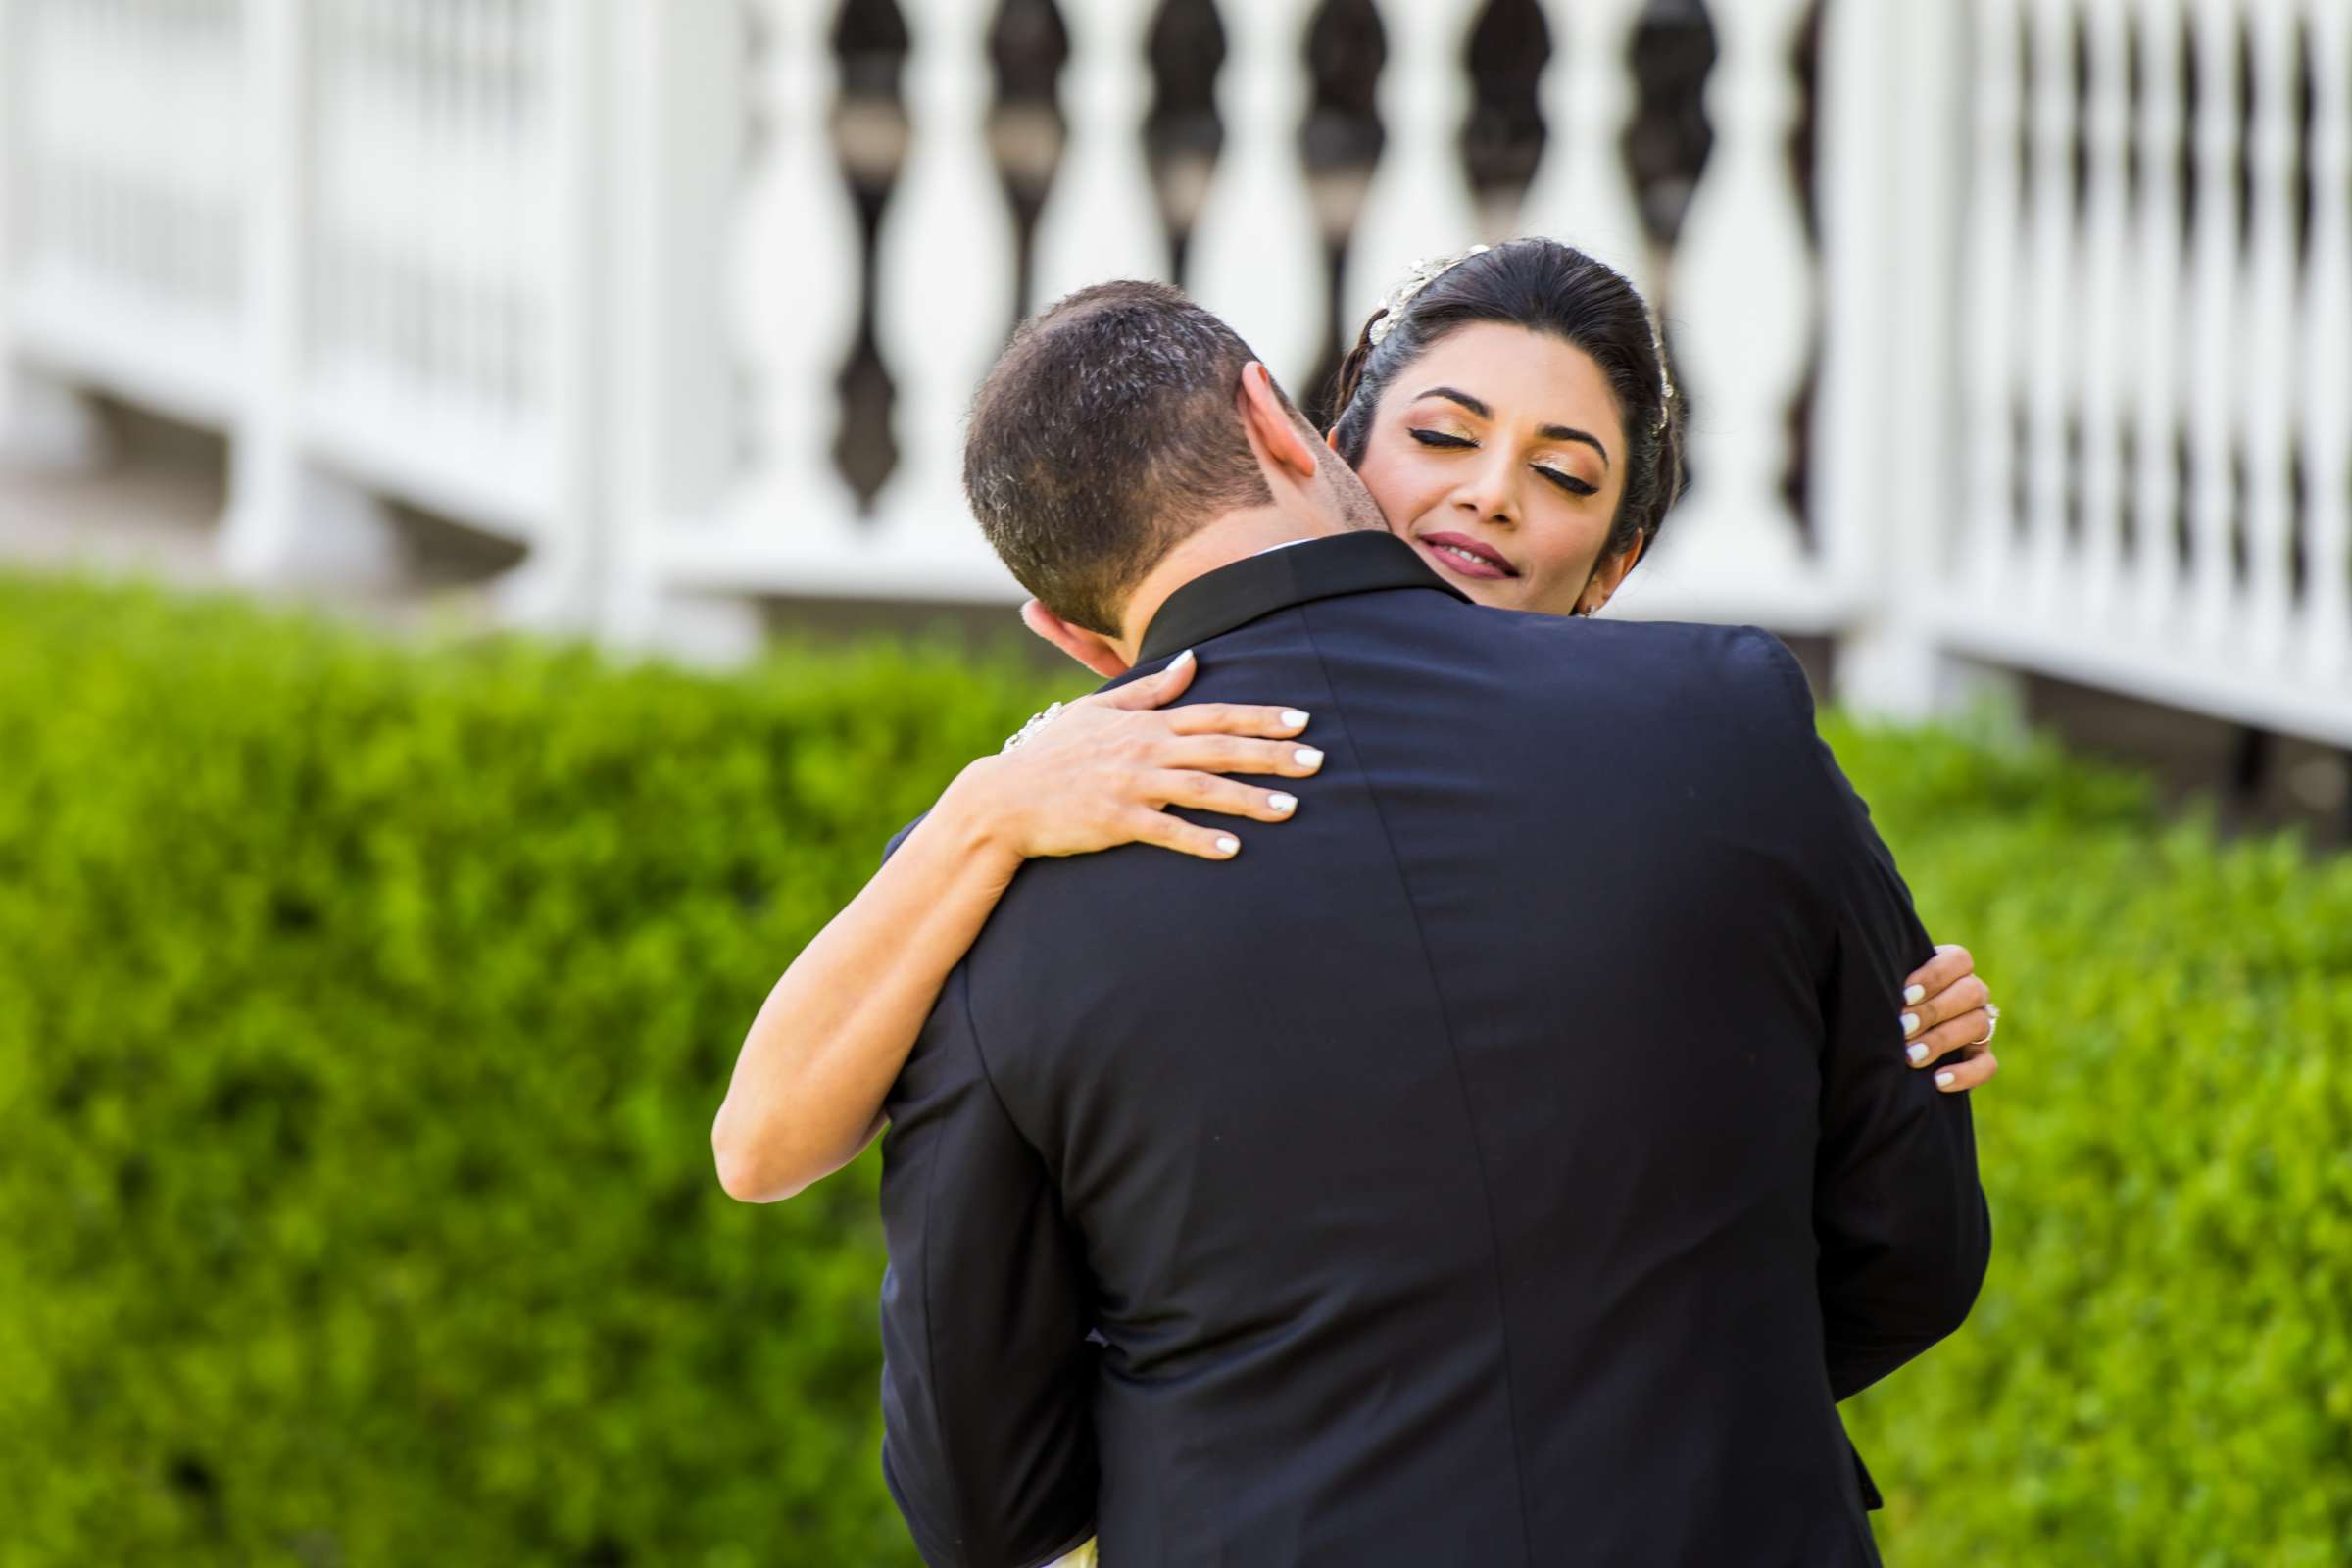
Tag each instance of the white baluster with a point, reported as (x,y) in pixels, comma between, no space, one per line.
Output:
(471,267)
(44,423)
(2214,353)
(1100,220)
(795,280)
(1891,142)
(2325,403)
(1744,292)
(366,182)
(557,587)
(1992,303)
(2104,368)
(1419,202)
(1256,258)
(540,155)
(286,518)
(944,276)
(673,194)
(1582,195)
(2157,245)
(437,248)
(2267,341)
(2053,309)
(517,173)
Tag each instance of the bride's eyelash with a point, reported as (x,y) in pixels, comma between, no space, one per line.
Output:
(1566,482)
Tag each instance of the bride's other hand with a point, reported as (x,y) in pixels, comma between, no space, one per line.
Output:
(1104,770)
(1949,1014)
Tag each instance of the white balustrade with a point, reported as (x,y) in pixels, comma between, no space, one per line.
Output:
(496,256)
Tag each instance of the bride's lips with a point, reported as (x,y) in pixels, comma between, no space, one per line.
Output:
(1459,552)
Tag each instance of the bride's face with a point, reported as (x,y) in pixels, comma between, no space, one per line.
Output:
(1499,454)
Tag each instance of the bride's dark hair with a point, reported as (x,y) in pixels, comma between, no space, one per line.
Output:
(1544,286)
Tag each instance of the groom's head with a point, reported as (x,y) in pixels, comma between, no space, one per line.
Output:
(1122,422)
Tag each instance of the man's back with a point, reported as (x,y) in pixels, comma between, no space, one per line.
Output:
(1465,1172)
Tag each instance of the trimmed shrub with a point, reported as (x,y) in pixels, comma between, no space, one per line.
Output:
(366,1013)
(2160,1368)
(366,1009)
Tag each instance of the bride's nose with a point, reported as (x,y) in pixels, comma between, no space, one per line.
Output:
(1491,494)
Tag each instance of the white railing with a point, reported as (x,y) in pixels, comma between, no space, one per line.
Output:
(500,258)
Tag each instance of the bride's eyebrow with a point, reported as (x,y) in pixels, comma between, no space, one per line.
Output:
(1564,432)
(1453,395)
(1549,432)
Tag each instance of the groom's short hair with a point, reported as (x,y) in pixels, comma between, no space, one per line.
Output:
(1107,432)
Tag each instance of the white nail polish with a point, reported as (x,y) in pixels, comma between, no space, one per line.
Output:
(1917,1053)
(1180,659)
(1943,1080)
(1291,718)
(1283,803)
(1307,757)
(1915,994)
(1910,1022)
(1228,845)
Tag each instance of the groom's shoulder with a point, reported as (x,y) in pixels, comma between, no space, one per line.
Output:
(1688,658)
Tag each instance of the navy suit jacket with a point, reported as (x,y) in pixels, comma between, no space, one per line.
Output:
(1511,1159)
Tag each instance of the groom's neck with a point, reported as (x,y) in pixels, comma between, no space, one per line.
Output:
(1235,536)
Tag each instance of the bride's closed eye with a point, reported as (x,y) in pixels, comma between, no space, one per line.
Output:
(1566,482)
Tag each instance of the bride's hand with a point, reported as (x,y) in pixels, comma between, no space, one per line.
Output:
(1104,769)
(1948,1016)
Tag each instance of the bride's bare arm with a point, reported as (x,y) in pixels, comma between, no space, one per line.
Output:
(809,1085)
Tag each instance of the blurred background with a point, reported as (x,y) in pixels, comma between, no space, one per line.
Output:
(481,572)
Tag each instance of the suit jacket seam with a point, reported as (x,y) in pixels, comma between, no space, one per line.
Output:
(971,1024)
(939,1423)
(1478,1152)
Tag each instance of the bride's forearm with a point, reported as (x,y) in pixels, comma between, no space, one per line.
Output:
(808,1086)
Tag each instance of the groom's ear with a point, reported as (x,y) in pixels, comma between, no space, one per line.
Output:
(1090,648)
(1276,428)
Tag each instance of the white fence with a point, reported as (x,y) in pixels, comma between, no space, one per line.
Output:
(582,273)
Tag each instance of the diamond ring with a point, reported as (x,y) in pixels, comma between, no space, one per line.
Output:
(1992,1024)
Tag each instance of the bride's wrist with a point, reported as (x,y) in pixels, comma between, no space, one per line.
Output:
(983,818)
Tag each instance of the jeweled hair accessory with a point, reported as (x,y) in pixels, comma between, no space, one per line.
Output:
(1657,342)
(1424,273)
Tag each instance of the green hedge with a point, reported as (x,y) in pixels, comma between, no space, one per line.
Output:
(363,1011)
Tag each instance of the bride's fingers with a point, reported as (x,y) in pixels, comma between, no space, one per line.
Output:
(1209,791)
(1969,1072)
(1239,754)
(1951,964)
(1236,718)
(1156,690)
(1147,827)
(1967,995)
(1942,1040)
